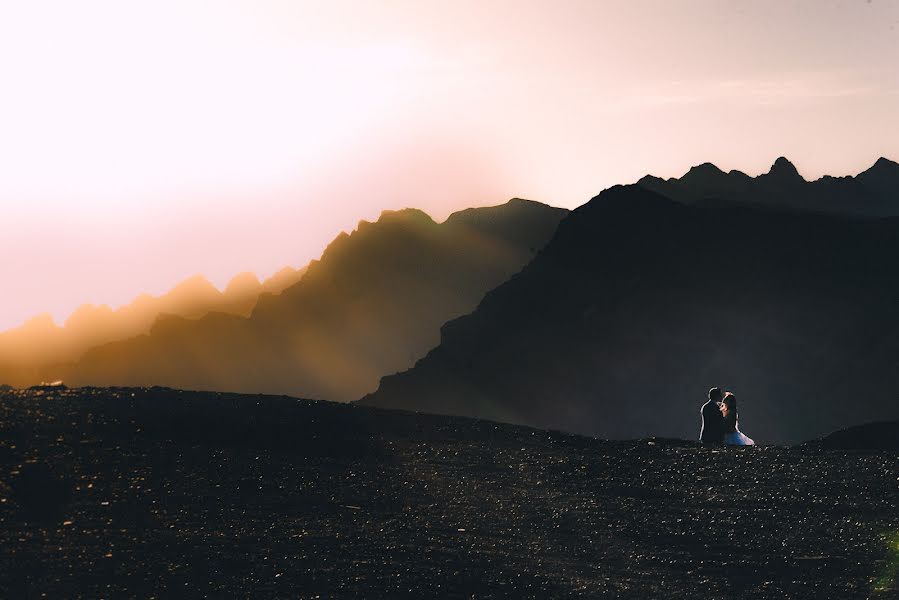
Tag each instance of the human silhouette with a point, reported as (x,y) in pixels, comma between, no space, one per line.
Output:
(712,431)
(732,436)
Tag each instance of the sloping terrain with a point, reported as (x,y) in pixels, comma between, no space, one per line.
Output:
(371,306)
(870,436)
(640,304)
(145,493)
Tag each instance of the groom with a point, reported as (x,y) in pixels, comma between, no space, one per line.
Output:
(712,431)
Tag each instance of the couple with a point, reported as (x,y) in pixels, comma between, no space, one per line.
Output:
(719,421)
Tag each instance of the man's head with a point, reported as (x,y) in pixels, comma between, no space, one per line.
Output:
(715,395)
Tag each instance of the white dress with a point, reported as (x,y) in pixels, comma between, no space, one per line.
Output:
(736,438)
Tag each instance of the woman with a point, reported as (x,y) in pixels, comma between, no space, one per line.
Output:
(732,435)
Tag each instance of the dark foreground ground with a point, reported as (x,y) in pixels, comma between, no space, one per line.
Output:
(158,493)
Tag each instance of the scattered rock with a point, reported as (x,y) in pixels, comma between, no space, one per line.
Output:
(220,495)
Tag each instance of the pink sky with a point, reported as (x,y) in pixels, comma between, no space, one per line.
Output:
(144,142)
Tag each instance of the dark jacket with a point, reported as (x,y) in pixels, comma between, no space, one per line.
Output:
(712,431)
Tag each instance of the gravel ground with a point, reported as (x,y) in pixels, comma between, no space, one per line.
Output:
(155,493)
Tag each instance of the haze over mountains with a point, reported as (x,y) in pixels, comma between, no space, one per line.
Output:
(371,306)
(780,289)
(33,351)
(640,303)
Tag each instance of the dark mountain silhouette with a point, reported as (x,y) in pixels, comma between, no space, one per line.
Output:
(33,352)
(371,306)
(874,192)
(639,304)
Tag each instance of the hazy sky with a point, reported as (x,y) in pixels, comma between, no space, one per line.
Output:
(142,142)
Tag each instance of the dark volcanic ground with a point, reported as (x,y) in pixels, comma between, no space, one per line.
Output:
(158,493)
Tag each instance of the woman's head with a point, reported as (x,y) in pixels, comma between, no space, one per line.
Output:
(730,401)
(728,404)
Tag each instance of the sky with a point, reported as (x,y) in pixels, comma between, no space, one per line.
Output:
(142,142)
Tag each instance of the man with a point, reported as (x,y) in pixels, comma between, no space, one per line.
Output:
(712,431)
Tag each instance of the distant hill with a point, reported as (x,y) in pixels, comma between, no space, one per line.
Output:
(874,192)
(371,306)
(34,351)
(640,303)
(870,436)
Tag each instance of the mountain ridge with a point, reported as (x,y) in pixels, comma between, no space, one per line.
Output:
(640,303)
(40,345)
(371,305)
(873,192)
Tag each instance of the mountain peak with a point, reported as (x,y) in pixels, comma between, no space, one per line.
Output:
(705,168)
(884,165)
(524,202)
(705,175)
(41,321)
(87,315)
(404,217)
(651,179)
(785,170)
(412,215)
(882,176)
(194,282)
(191,289)
(243,283)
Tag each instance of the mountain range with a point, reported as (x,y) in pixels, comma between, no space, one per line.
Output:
(641,302)
(372,305)
(35,350)
(612,320)
(871,193)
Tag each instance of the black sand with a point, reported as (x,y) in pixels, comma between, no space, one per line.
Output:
(159,493)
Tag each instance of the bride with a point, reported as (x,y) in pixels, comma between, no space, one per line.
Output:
(732,434)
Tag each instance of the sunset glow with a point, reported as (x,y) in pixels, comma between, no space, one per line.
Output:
(144,142)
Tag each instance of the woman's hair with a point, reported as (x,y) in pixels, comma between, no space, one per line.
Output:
(730,401)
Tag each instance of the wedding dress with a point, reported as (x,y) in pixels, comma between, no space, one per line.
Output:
(736,438)
(732,434)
